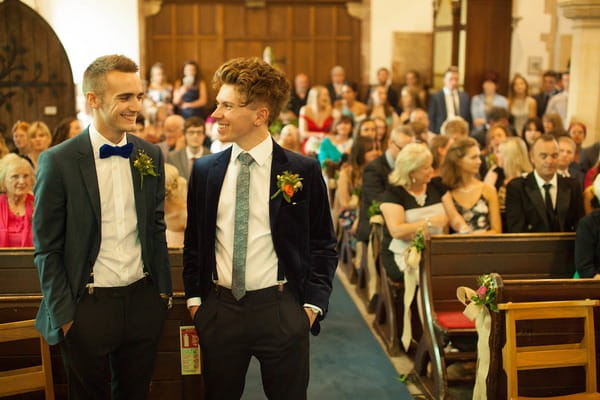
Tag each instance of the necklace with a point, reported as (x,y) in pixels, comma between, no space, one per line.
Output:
(465,190)
(419,198)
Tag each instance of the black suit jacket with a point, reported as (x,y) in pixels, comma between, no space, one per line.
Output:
(375,180)
(437,109)
(589,156)
(302,230)
(66,226)
(587,245)
(526,209)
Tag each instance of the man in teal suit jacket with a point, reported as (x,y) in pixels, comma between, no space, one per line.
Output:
(99,238)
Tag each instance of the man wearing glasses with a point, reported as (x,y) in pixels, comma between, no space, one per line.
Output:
(183,159)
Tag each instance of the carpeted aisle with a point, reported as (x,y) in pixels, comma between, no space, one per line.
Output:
(346,360)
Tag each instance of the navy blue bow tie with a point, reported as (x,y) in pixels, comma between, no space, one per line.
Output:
(106,150)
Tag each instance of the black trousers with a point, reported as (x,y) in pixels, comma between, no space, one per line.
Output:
(269,324)
(123,325)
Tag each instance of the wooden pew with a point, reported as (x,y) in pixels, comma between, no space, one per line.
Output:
(450,261)
(548,382)
(19,300)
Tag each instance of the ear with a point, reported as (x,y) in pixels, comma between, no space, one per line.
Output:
(92,99)
(262,116)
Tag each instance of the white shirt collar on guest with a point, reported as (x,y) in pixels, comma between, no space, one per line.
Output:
(260,152)
(541,182)
(98,140)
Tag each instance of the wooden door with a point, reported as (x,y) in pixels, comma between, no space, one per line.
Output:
(305,36)
(36,82)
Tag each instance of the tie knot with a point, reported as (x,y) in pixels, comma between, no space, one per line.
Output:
(547,186)
(245,158)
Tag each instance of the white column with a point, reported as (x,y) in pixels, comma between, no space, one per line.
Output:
(584,88)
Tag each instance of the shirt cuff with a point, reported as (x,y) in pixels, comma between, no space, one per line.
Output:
(193,302)
(316,310)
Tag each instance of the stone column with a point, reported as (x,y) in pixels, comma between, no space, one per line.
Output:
(584,88)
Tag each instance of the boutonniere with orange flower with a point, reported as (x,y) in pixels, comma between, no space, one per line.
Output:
(288,184)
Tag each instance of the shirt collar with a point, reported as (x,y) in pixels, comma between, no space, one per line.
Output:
(390,160)
(191,155)
(98,140)
(541,182)
(260,153)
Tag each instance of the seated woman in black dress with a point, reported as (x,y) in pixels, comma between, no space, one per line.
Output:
(587,242)
(414,201)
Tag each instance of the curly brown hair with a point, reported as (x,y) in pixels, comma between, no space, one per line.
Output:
(256,81)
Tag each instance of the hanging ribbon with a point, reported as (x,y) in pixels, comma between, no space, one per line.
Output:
(483,324)
(376,222)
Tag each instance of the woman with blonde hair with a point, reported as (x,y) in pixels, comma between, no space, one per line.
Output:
(512,161)
(413,201)
(316,118)
(475,200)
(40,139)
(175,206)
(16,201)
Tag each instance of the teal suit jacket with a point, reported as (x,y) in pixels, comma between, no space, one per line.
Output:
(66,226)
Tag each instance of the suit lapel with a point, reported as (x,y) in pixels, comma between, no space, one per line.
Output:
(138,190)
(563,197)
(533,192)
(87,166)
(214,183)
(278,166)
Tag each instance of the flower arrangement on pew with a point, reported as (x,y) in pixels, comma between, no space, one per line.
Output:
(413,252)
(375,216)
(486,293)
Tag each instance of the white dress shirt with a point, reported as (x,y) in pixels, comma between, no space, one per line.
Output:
(119,261)
(452,104)
(553,189)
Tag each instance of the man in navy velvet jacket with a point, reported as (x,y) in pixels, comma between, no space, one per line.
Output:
(264,302)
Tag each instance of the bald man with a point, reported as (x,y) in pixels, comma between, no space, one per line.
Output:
(173,132)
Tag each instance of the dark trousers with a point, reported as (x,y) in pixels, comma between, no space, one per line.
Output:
(269,324)
(122,325)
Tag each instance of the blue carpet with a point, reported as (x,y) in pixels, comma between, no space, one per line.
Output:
(346,360)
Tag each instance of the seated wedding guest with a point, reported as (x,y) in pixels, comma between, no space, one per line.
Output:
(16,201)
(338,79)
(20,137)
(547,91)
(40,139)
(543,201)
(577,131)
(140,127)
(375,177)
(333,147)
(496,116)
(532,130)
(414,82)
(558,102)
(345,205)
(289,138)
(520,104)
(439,146)
(381,136)
(3,147)
(420,115)
(553,124)
(420,132)
(587,241)
(183,159)
(349,105)
(591,174)
(66,129)
(512,161)
(173,133)
(475,200)
(175,205)
(566,165)
(190,94)
(379,107)
(159,94)
(409,101)
(413,201)
(590,199)
(316,118)
(383,80)
(455,128)
(482,103)
(299,94)
(367,128)
(449,102)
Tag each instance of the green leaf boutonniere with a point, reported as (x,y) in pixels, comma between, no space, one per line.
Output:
(288,184)
(145,166)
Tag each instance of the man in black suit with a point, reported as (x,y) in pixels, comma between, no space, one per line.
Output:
(383,79)
(100,245)
(543,201)
(193,131)
(259,255)
(548,90)
(448,102)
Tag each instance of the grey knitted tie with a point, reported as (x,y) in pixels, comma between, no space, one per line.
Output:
(240,235)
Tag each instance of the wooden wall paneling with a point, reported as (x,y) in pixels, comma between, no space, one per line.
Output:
(489,29)
(303,21)
(324,19)
(185,19)
(303,60)
(233,18)
(206,19)
(325,58)
(255,22)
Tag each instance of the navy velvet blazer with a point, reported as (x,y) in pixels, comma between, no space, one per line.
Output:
(66,226)
(437,109)
(302,230)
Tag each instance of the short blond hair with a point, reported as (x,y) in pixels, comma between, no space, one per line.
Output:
(9,162)
(412,157)
(94,77)
(38,125)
